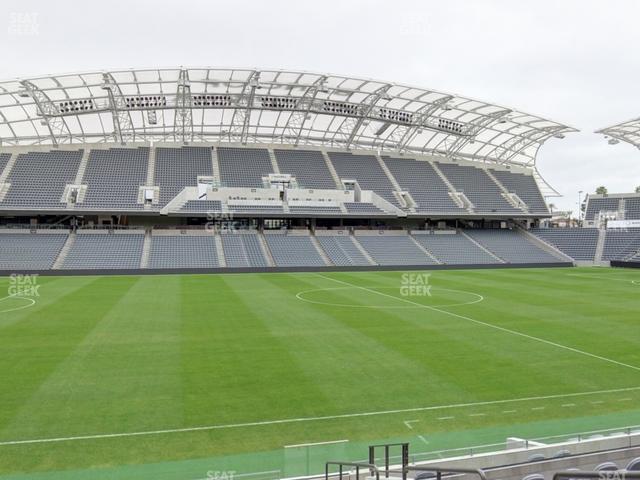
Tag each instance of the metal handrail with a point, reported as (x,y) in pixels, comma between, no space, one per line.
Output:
(439,471)
(358,465)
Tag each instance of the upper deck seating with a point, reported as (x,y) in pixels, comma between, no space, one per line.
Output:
(38,179)
(114,177)
(478,187)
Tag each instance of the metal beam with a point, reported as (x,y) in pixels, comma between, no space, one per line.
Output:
(628,132)
(295,124)
(504,152)
(455,144)
(368,105)
(242,113)
(183,124)
(48,111)
(424,114)
(122,123)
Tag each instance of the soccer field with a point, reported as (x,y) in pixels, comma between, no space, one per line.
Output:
(176,376)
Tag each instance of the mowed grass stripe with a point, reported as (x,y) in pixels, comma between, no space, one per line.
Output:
(233,366)
(421,335)
(503,329)
(349,355)
(131,353)
(518,367)
(252,356)
(40,340)
(582,324)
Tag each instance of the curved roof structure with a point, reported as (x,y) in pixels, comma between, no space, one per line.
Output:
(628,132)
(265,106)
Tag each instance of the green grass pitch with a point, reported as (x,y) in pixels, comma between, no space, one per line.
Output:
(178,376)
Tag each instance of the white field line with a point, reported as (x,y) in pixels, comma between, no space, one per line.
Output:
(33,302)
(489,325)
(408,423)
(316,444)
(301,296)
(313,419)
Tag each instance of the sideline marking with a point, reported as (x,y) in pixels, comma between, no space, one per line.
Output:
(313,419)
(490,325)
(409,422)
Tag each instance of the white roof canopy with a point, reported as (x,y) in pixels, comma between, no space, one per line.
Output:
(623,132)
(265,106)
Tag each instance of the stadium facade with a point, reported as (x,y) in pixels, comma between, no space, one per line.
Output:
(234,168)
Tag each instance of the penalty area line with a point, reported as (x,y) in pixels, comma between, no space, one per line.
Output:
(486,324)
(312,419)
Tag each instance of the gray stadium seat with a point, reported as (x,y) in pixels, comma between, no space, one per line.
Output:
(341,250)
(30,251)
(242,250)
(114,178)
(183,251)
(578,243)
(394,250)
(478,187)
(425,186)
(177,168)
(293,251)
(105,251)
(307,166)
(38,179)
(511,246)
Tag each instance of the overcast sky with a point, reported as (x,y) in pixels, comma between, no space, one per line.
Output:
(573,61)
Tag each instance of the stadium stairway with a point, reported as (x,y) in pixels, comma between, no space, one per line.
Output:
(482,247)
(220,251)
(4,174)
(68,244)
(364,252)
(321,252)
(551,249)
(424,249)
(508,196)
(602,236)
(146,249)
(265,250)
